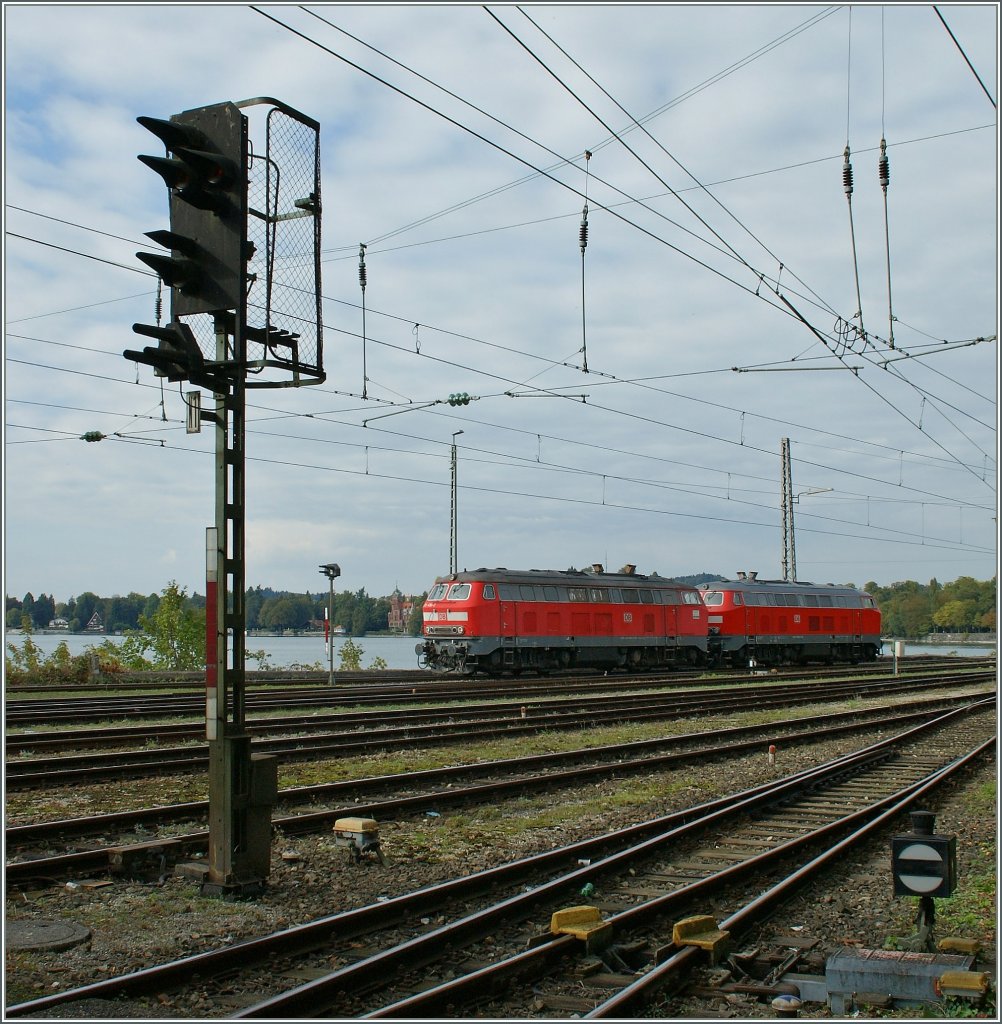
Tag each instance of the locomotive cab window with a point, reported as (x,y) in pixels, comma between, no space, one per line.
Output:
(459,592)
(488,591)
(688,597)
(713,597)
(437,592)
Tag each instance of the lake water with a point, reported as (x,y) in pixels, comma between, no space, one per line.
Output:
(396,651)
(280,651)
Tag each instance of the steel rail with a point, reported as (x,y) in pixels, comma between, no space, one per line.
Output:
(18,743)
(402,908)
(364,920)
(57,865)
(626,1002)
(314,996)
(485,983)
(58,770)
(425,687)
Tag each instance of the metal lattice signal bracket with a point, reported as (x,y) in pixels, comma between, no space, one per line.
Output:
(283,336)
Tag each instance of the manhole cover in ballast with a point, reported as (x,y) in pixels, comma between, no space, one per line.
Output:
(50,935)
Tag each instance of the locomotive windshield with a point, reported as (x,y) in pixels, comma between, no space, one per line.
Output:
(459,592)
(713,597)
(437,592)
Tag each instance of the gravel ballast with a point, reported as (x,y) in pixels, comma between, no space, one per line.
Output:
(135,925)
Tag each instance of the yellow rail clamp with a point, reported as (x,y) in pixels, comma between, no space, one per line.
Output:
(701,931)
(972,984)
(584,923)
(965,947)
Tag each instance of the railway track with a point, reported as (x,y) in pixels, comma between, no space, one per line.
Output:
(483,938)
(361,732)
(30,846)
(408,688)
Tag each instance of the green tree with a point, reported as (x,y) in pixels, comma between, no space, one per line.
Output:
(44,611)
(416,620)
(351,656)
(253,601)
(173,637)
(290,611)
(122,613)
(956,616)
(87,603)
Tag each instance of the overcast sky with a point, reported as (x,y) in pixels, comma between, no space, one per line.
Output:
(720,239)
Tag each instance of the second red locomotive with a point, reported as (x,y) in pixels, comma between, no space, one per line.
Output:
(502,620)
(778,622)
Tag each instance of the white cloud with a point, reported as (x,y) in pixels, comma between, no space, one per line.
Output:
(678,472)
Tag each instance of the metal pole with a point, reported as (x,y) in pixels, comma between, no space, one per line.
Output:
(454,512)
(239,794)
(331,570)
(330,633)
(789,550)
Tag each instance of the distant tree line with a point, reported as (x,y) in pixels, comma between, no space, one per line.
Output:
(912,610)
(172,637)
(909,609)
(271,610)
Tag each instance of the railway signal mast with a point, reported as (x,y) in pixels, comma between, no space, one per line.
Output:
(243,315)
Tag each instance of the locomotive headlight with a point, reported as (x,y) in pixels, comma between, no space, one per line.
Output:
(460,630)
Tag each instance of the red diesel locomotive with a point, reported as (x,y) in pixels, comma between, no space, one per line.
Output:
(777,622)
(503,620)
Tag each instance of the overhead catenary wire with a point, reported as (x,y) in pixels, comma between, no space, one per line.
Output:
(898,535)
(828,469)
(761,51)
(644,383)
(964,55)
(883,398)
(850,332)
(638,124)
